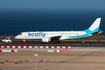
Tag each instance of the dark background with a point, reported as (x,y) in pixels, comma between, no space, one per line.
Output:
(45,15)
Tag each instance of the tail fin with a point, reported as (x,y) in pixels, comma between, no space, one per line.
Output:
(94,27)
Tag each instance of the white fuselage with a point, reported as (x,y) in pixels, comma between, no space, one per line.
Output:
(60,35)
(39,35)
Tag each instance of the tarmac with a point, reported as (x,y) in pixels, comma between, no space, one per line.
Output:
(89,57)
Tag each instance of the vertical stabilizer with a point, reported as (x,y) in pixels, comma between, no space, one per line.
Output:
(94,27)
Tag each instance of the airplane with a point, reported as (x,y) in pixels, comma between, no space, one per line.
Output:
(57,36)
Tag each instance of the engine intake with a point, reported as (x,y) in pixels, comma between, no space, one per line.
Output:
(45,39)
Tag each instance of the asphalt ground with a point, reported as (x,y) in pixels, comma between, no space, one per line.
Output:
(90,57)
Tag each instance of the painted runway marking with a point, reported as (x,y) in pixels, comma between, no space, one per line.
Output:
(64,48)
(8,50)
(36,47)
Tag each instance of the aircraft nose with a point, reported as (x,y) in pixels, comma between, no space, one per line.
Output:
(16,37)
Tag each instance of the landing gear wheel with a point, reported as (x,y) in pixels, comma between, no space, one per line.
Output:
(57,41)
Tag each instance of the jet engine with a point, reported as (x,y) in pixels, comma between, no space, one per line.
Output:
(45,39)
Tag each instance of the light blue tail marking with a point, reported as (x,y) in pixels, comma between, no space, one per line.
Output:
(89,31)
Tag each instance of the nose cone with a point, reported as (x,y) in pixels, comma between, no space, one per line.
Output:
(16,37)
(19,37)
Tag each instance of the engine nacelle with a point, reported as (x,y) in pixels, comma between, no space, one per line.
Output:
(45,39)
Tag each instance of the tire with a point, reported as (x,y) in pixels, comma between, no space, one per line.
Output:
(8,42)
(57,41)
(3,42)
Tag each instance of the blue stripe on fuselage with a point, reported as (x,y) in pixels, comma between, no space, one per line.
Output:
(88,33)
(79,36)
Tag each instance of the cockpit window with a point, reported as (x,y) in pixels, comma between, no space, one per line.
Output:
(20,34)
